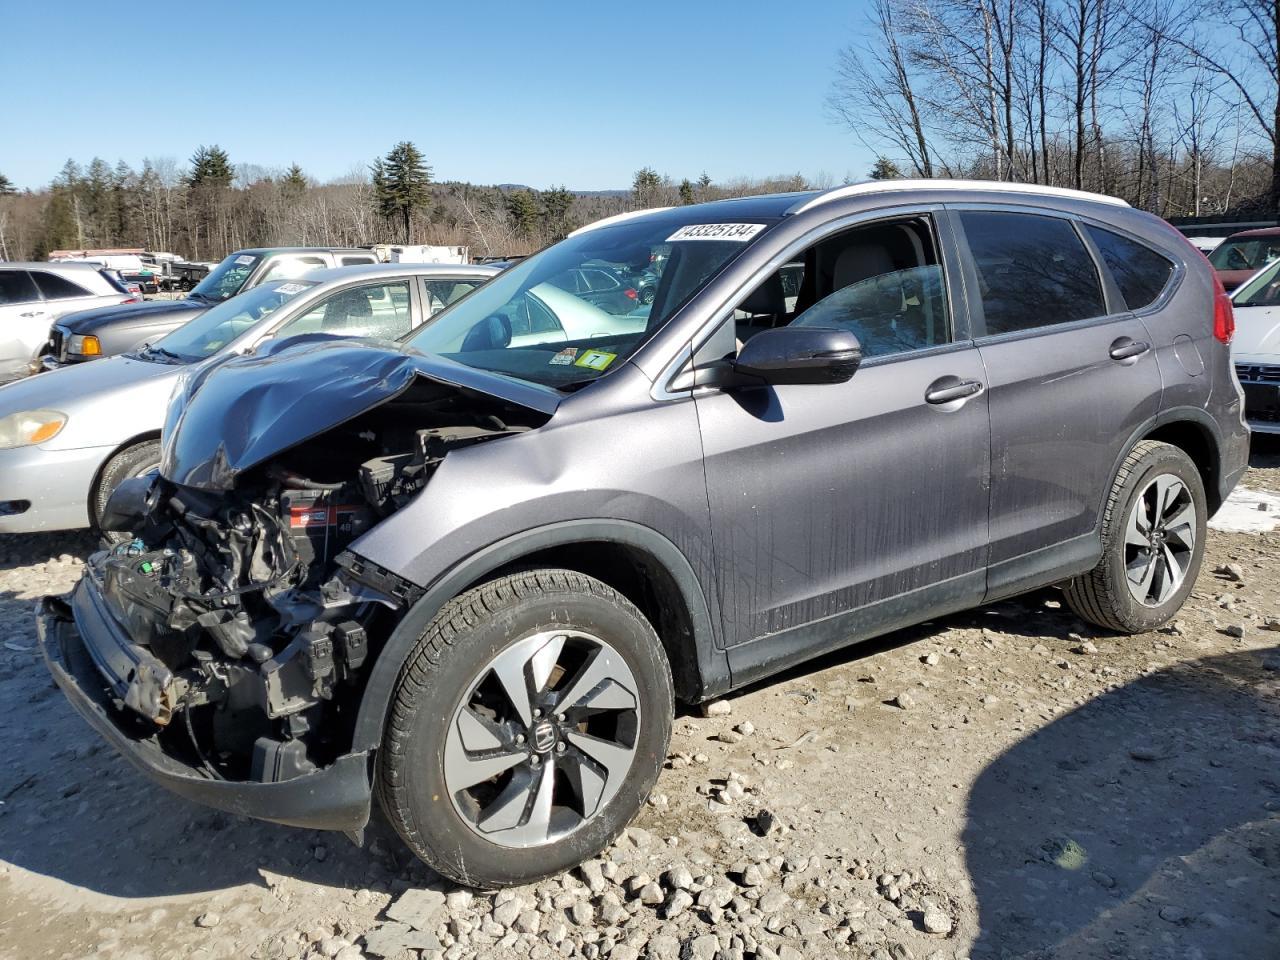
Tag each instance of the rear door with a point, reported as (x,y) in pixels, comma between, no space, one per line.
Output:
(1071,376)
(24,323)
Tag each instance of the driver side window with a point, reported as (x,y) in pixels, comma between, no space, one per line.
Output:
(882,282)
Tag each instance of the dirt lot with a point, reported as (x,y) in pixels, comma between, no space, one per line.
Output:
(1004,783)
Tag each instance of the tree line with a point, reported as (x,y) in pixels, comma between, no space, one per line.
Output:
(210,206)
(1169,104)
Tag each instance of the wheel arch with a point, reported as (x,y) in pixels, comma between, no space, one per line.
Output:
(144,437)
(635,560)
(1193,431)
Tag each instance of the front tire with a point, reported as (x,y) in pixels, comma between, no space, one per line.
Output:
(130,462)
(527,728)
(1153,531)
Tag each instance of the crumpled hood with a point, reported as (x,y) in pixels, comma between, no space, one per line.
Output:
(87,321)
(236,412)
(1257,334)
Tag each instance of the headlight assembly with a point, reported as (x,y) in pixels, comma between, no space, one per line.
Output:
(85,345)
(30,427)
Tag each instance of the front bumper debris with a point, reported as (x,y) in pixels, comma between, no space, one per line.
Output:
(86,653)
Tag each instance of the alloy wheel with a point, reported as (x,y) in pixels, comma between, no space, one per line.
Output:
(543,739)
(1159,540)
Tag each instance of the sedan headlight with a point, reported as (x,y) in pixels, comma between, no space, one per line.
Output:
(29,427)
(85,345)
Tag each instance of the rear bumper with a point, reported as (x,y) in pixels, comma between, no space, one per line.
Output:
(74,640)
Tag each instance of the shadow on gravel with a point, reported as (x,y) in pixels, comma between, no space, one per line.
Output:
(1143,824)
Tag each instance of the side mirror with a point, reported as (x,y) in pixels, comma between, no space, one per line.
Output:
(800,355)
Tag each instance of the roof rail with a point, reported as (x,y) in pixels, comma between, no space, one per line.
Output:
(989,186)
(616,218)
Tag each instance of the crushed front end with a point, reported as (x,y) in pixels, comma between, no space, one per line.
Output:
(224,647)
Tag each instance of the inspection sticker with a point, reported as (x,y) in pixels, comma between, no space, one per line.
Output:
(290,289)
(243,260)
(596,360)
(564,357)
(742,232)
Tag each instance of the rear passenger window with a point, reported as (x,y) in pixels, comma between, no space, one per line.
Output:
(1139,272)
(355,261)
(16,286)
(55,287)
(1033,271)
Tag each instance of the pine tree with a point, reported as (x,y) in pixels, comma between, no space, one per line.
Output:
(6,186)
(556,204)
(885,169)
(294,182)
(686,193)
(704,184)
(210,166)
(401,184)
(523,209)
(644,186)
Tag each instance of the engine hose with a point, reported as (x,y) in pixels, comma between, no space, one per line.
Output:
(191,732)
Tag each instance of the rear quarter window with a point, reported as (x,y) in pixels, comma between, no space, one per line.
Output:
(1139,272)
(54,287)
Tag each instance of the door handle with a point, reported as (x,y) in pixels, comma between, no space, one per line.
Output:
(1126,349)
(947,389)
(33,313)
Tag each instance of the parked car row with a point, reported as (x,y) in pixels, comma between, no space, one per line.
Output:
(33,295)
(466,574)
(111,330)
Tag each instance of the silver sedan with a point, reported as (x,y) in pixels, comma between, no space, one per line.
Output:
(68,437)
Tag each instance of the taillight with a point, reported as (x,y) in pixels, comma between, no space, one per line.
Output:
(1224,317)
(631,294)
(130,300)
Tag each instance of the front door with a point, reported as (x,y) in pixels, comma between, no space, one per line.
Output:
(844,510)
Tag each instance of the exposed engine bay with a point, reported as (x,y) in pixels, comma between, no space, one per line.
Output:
(249,628)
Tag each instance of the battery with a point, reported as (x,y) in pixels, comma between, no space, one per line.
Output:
(322,522)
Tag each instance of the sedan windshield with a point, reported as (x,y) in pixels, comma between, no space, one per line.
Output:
(1247,253)
(226,279)
(582,307)
(218,326)
(1260,290)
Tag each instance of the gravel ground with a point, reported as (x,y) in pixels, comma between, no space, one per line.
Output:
(1003,783)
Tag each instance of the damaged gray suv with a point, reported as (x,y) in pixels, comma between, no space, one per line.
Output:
(470,574)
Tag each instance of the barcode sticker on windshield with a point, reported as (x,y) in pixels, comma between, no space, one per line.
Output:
(244,260)
(741,232)
(289,289)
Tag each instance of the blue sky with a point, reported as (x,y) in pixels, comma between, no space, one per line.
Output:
(539,93)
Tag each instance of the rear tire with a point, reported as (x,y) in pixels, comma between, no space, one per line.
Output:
(570,767)
(1153,530)
(130,462)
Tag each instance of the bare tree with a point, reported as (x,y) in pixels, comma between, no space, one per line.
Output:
(875,80)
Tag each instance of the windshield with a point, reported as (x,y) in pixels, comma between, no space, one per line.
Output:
(216,327)
(226,279)
(580,308)
(1247,253)
(1261,290)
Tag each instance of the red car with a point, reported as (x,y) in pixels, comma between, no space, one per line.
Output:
(1243,254)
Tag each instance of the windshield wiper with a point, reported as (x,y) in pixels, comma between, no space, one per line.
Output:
(148,352)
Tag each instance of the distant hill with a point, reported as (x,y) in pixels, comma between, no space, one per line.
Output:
(507,187)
